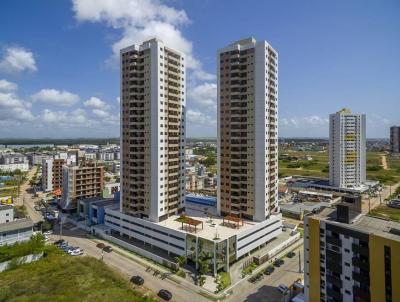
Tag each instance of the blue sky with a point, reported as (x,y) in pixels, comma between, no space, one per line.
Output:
(59,66)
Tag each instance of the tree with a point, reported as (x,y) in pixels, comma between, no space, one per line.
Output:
(181,260)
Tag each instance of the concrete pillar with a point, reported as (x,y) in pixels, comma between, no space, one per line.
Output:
(227,256)
(215,259)
(197,252)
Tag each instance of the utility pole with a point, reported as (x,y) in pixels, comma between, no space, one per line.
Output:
(61,229)
(299,262)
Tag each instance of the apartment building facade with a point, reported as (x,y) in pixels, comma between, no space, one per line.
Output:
(395,139)
(152,130)
(347,149)
(248,129)
(80,182)
(52,174)
(350,257)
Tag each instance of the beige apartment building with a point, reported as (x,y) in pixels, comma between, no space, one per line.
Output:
(248,130)
(80,182)
(152,130)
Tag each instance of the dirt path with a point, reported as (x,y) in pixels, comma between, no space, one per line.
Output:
(384,162)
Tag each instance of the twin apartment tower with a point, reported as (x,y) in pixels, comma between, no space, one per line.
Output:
(153,104)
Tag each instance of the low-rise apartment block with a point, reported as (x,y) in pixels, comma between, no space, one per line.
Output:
(80,182)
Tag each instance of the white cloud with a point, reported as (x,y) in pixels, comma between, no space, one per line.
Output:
(100,113)
(17,59)
(96,103)
(297,122)
(204,95)
(118,99)
(13,109)
(199,118)
(140,20)
(75,118)
(7,86)
(55,97)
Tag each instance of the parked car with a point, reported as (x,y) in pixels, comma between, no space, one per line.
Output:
(108,249)
(101,245)
(269,270)
(59,242)
(283,288)
(278,262)
(137,280)
(291,254)
(165,294)
(48,233)
(76,253)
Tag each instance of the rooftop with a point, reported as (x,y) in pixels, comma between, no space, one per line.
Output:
(365,224)
(16,225)
(211,229)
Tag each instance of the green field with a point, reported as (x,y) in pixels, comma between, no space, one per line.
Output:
(60,277)
(384,211)
(318,166)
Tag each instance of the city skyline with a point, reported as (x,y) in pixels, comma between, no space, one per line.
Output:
(58,76)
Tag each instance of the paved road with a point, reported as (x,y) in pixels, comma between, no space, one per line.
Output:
(266,289)
(128,267)
(27,198)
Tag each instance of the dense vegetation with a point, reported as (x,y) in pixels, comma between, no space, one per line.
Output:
(60,277)
(21,249)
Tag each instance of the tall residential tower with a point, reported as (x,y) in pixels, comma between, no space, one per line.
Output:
(152,130)
(395,139)
(347,147)
(248,129)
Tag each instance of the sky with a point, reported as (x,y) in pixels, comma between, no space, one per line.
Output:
(59,68)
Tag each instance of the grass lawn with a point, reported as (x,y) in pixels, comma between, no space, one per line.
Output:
(60,277)
(386,212)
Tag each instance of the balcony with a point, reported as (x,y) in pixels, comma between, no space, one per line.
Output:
(333,240)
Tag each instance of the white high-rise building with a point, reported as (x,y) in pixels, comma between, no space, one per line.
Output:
(47,175)
(248,130)
(347,148)
(152,130)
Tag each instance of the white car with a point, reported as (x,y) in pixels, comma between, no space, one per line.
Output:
(76,252)
(48,233)
(283,288)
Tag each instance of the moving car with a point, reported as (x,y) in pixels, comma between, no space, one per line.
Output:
(137,280)
(165,294)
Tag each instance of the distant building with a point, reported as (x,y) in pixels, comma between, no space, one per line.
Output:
(395,139)
(13,161)
(6,213)
(37,158)
(90,156)
(347,149)
(351,257)
(16,231)
(80,182)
